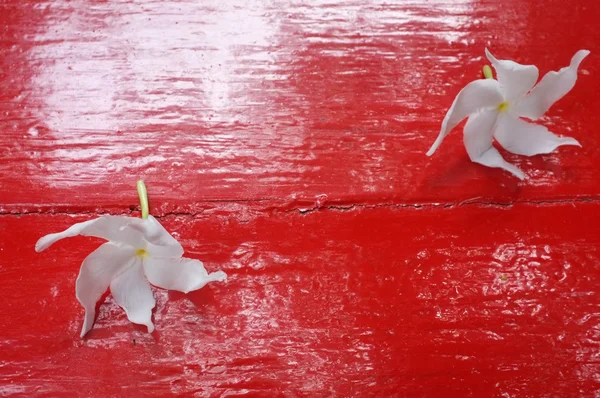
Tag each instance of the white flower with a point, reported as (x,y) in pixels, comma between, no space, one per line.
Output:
(138,251)
(495,109)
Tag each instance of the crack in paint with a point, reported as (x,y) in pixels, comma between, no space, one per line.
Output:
(419,206)
(315,208)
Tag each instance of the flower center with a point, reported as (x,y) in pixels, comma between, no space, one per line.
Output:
(503,107)
(142,253)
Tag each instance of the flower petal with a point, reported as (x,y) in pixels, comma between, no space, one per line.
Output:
(160,242)
(515,79)
(97,270)
(112,228)
(478,95)
(492,158)
(522,138)
(182,274)
(132,292)
(552,87)
(478,135)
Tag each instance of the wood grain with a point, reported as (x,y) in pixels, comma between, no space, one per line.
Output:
(284,142)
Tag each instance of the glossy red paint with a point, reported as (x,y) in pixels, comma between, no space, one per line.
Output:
(284,141)
(470,300)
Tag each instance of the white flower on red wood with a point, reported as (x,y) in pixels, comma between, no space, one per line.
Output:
(139,252)
(495,109)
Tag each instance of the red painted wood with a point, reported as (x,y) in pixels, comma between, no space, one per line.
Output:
(284,141)
(274,100)
(471,300)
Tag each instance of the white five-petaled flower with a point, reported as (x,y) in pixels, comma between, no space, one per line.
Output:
(138,251)
(495,109)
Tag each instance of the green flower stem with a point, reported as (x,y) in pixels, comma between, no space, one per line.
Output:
(487,72)
(141,188)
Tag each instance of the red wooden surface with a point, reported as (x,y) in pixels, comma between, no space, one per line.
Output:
(283,142)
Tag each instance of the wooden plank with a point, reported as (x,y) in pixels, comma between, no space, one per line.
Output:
(289,102)
(463,301)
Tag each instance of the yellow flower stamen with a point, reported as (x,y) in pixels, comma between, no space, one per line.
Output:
(503,107)
(142,253)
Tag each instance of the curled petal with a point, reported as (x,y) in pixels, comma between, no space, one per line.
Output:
(112,228)
(477,96)
(515,79)
(160,243)
(552,87)
(520,137)
(132,292)
(182,274)
(492,158)
(96,272)
(478,135)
